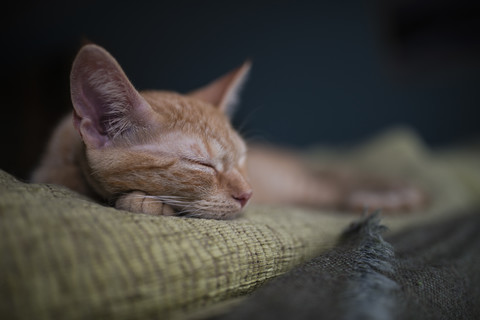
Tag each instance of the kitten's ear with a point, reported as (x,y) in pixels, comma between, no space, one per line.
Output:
(223,92)
(106,105)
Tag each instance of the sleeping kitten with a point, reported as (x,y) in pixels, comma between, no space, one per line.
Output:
(163,153)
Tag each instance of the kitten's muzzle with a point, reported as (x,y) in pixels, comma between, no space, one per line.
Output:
(243,197)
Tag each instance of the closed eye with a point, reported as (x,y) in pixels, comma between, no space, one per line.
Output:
(206,164)
(200,162)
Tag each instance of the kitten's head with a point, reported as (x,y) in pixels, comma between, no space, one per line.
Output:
(180,149)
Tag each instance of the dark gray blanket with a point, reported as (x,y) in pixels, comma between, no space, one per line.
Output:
(429,272)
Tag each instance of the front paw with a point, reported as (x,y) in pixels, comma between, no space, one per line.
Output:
(139,202)
(401,198)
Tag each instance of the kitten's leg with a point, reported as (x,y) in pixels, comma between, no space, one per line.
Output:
(138,202)
(361,191)
(281,177)
(384,196)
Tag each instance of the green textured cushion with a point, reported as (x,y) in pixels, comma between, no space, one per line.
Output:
(64,257)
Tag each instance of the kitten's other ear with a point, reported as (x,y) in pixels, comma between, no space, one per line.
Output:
(224,91)
(106,105)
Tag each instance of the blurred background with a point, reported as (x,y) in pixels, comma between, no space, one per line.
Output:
(330,72)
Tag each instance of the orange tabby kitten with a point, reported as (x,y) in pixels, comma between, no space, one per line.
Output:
(163,153)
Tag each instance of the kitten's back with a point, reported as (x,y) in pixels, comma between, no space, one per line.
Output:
(60,162)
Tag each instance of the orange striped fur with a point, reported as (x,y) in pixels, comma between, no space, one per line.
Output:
(160,152)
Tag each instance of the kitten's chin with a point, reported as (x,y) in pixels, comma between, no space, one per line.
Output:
(212,214)
(218,209)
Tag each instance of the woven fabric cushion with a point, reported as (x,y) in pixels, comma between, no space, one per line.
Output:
(64,257)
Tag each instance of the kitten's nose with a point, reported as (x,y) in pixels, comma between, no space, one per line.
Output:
(243,197)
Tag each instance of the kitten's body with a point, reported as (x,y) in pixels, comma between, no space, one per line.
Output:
(160,152)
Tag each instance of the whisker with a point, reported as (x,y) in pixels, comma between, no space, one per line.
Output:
(183,205)
(240,128)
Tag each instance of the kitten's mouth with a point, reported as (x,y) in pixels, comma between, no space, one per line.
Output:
(183,207)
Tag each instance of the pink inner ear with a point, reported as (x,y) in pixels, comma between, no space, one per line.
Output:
(94,107)
(105,102)
(90,134)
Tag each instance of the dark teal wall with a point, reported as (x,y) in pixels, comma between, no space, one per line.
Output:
(330,72)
